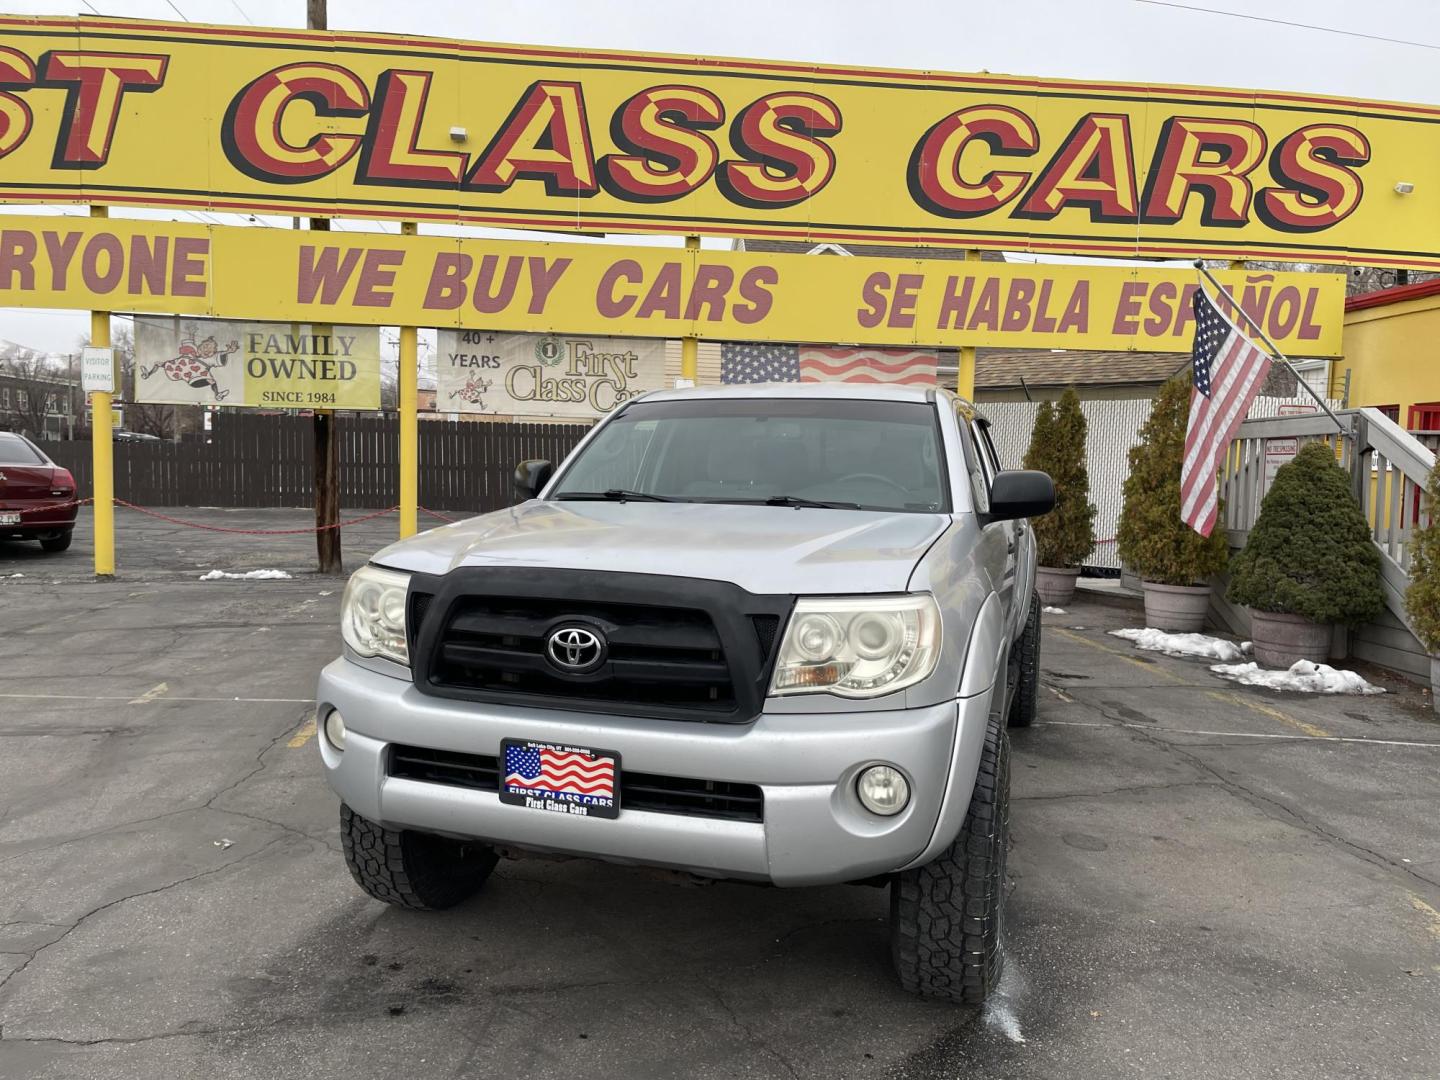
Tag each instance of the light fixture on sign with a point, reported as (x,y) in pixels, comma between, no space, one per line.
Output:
(458,134)
(1404,187)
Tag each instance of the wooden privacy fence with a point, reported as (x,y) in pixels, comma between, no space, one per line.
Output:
(259,461)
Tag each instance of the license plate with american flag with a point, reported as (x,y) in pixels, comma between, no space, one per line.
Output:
(561,779)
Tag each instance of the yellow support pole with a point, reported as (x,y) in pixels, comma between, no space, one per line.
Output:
(690,346)
(965,372)
(102,449)
(409,422)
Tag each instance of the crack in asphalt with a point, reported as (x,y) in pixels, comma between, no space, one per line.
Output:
(40,1040)
(33,955)
(749,1032)
(1114,791)
(209,804)
(1266,803)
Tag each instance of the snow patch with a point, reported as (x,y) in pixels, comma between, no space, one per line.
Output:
(1198,645)
(1304,675)
(248,575)
(1054,611)
(999,1011)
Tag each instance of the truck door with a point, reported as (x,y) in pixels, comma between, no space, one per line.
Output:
(997,549)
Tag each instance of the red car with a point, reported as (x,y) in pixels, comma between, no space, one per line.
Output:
(30,480)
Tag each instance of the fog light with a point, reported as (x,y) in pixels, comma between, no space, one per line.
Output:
(883,790)
(335,729)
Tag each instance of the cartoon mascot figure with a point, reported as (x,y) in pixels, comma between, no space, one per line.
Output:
(195,364)
(471,392)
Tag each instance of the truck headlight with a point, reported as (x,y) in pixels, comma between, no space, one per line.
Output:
(858,646)
(372,615)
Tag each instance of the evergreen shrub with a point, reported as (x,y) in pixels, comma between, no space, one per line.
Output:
(1310,552)
(1422,599)
(1066,535)
(1153,541)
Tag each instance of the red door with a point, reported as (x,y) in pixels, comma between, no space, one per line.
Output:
(1423,417)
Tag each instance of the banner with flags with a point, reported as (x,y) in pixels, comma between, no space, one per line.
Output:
(752,362)
(1228,371)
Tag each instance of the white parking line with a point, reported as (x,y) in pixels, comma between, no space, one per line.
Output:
(1240,734)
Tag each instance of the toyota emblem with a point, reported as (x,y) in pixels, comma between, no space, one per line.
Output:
(575,649)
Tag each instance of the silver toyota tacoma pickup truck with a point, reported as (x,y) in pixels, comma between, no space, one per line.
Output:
(770,633)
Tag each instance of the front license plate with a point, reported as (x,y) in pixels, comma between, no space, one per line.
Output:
(9,517)
(560,779)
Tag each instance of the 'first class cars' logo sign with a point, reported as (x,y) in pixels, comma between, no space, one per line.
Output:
(368,125)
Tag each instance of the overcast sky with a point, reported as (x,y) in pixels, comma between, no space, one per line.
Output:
(1377,50)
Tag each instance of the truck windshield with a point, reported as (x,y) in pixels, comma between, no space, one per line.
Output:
(844,454)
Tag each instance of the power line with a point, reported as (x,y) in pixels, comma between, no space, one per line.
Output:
(1287,22)
(241,10)
(177,10)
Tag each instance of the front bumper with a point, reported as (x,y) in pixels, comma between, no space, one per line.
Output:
(815,830)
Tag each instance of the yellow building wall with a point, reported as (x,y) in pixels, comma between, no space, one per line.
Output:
(1393,354)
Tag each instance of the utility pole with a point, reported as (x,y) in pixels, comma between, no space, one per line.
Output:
(327,466)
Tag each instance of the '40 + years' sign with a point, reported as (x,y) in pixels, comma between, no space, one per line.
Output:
(381,125)
(543,374)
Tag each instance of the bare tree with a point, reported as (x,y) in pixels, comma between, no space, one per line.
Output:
(37,390)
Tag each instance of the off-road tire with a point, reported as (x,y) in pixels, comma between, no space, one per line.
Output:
(412,869)
(946,917)
(1027,655)
(56,544)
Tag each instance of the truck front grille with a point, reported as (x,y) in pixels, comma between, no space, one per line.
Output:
(675,648)
(668,657)
(638,791)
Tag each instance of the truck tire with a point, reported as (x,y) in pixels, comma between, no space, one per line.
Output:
(1027,654)
(946,917)
(412,869)
(55,544)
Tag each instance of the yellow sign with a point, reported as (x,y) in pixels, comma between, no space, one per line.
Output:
(388,126)
(260,365)
(380,279)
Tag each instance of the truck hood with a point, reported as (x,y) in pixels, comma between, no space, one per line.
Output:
(764,549)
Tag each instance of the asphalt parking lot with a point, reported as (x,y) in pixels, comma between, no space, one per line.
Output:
(1208,881)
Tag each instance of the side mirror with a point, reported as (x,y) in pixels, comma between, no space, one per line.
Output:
(531,476)
(1020,493)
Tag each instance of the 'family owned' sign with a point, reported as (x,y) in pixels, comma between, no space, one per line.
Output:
(543,374)
(188,361)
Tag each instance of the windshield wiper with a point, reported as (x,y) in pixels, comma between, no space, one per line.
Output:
(616,495)
(796,500)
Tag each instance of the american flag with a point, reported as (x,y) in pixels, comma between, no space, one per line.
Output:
(749,362)
(912,367)
(1229,370)
(539,768)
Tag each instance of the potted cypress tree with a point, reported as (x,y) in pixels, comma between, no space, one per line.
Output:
(1422,599)
(1308,563)
(1066,535)
(1174,562)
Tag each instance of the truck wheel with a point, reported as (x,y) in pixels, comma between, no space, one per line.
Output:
(1027,653)
(946,917)
(412,869)
(56,543)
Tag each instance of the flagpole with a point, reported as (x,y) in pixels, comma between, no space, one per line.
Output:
(1274,350)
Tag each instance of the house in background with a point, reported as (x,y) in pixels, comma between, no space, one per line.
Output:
(1392,354)
(1044,374)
